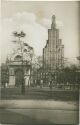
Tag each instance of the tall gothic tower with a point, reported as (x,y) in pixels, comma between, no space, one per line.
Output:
(53,52)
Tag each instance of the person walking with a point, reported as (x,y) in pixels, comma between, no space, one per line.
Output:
(41,83)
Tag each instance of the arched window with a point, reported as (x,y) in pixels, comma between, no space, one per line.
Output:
(18,58)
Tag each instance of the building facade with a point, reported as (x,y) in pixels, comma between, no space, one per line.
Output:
(53,52)
(19,66)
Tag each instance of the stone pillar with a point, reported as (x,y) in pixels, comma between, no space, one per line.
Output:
(26,80)
(27,77)
(11,77)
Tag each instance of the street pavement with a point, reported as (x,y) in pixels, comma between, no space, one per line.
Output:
(38,112)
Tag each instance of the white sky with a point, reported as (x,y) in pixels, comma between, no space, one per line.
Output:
(34,18)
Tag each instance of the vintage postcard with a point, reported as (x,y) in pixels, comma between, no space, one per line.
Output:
(40,62)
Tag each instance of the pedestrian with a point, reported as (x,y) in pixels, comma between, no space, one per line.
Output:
(41,83)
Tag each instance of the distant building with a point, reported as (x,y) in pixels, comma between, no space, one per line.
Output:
(53,52)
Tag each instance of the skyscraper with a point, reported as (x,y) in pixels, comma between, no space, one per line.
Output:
(53,52)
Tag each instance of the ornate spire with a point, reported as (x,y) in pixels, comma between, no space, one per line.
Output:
(53,21)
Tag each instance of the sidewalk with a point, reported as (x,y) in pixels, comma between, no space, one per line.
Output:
(40,112)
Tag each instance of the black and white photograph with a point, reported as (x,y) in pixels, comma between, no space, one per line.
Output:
(40,62)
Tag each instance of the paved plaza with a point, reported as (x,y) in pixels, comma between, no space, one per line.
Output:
(34,112)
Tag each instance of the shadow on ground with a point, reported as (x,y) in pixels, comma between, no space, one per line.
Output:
(37,93)
(8,117)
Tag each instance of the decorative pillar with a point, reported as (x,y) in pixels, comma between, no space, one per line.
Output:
(11,77)
(27,77)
